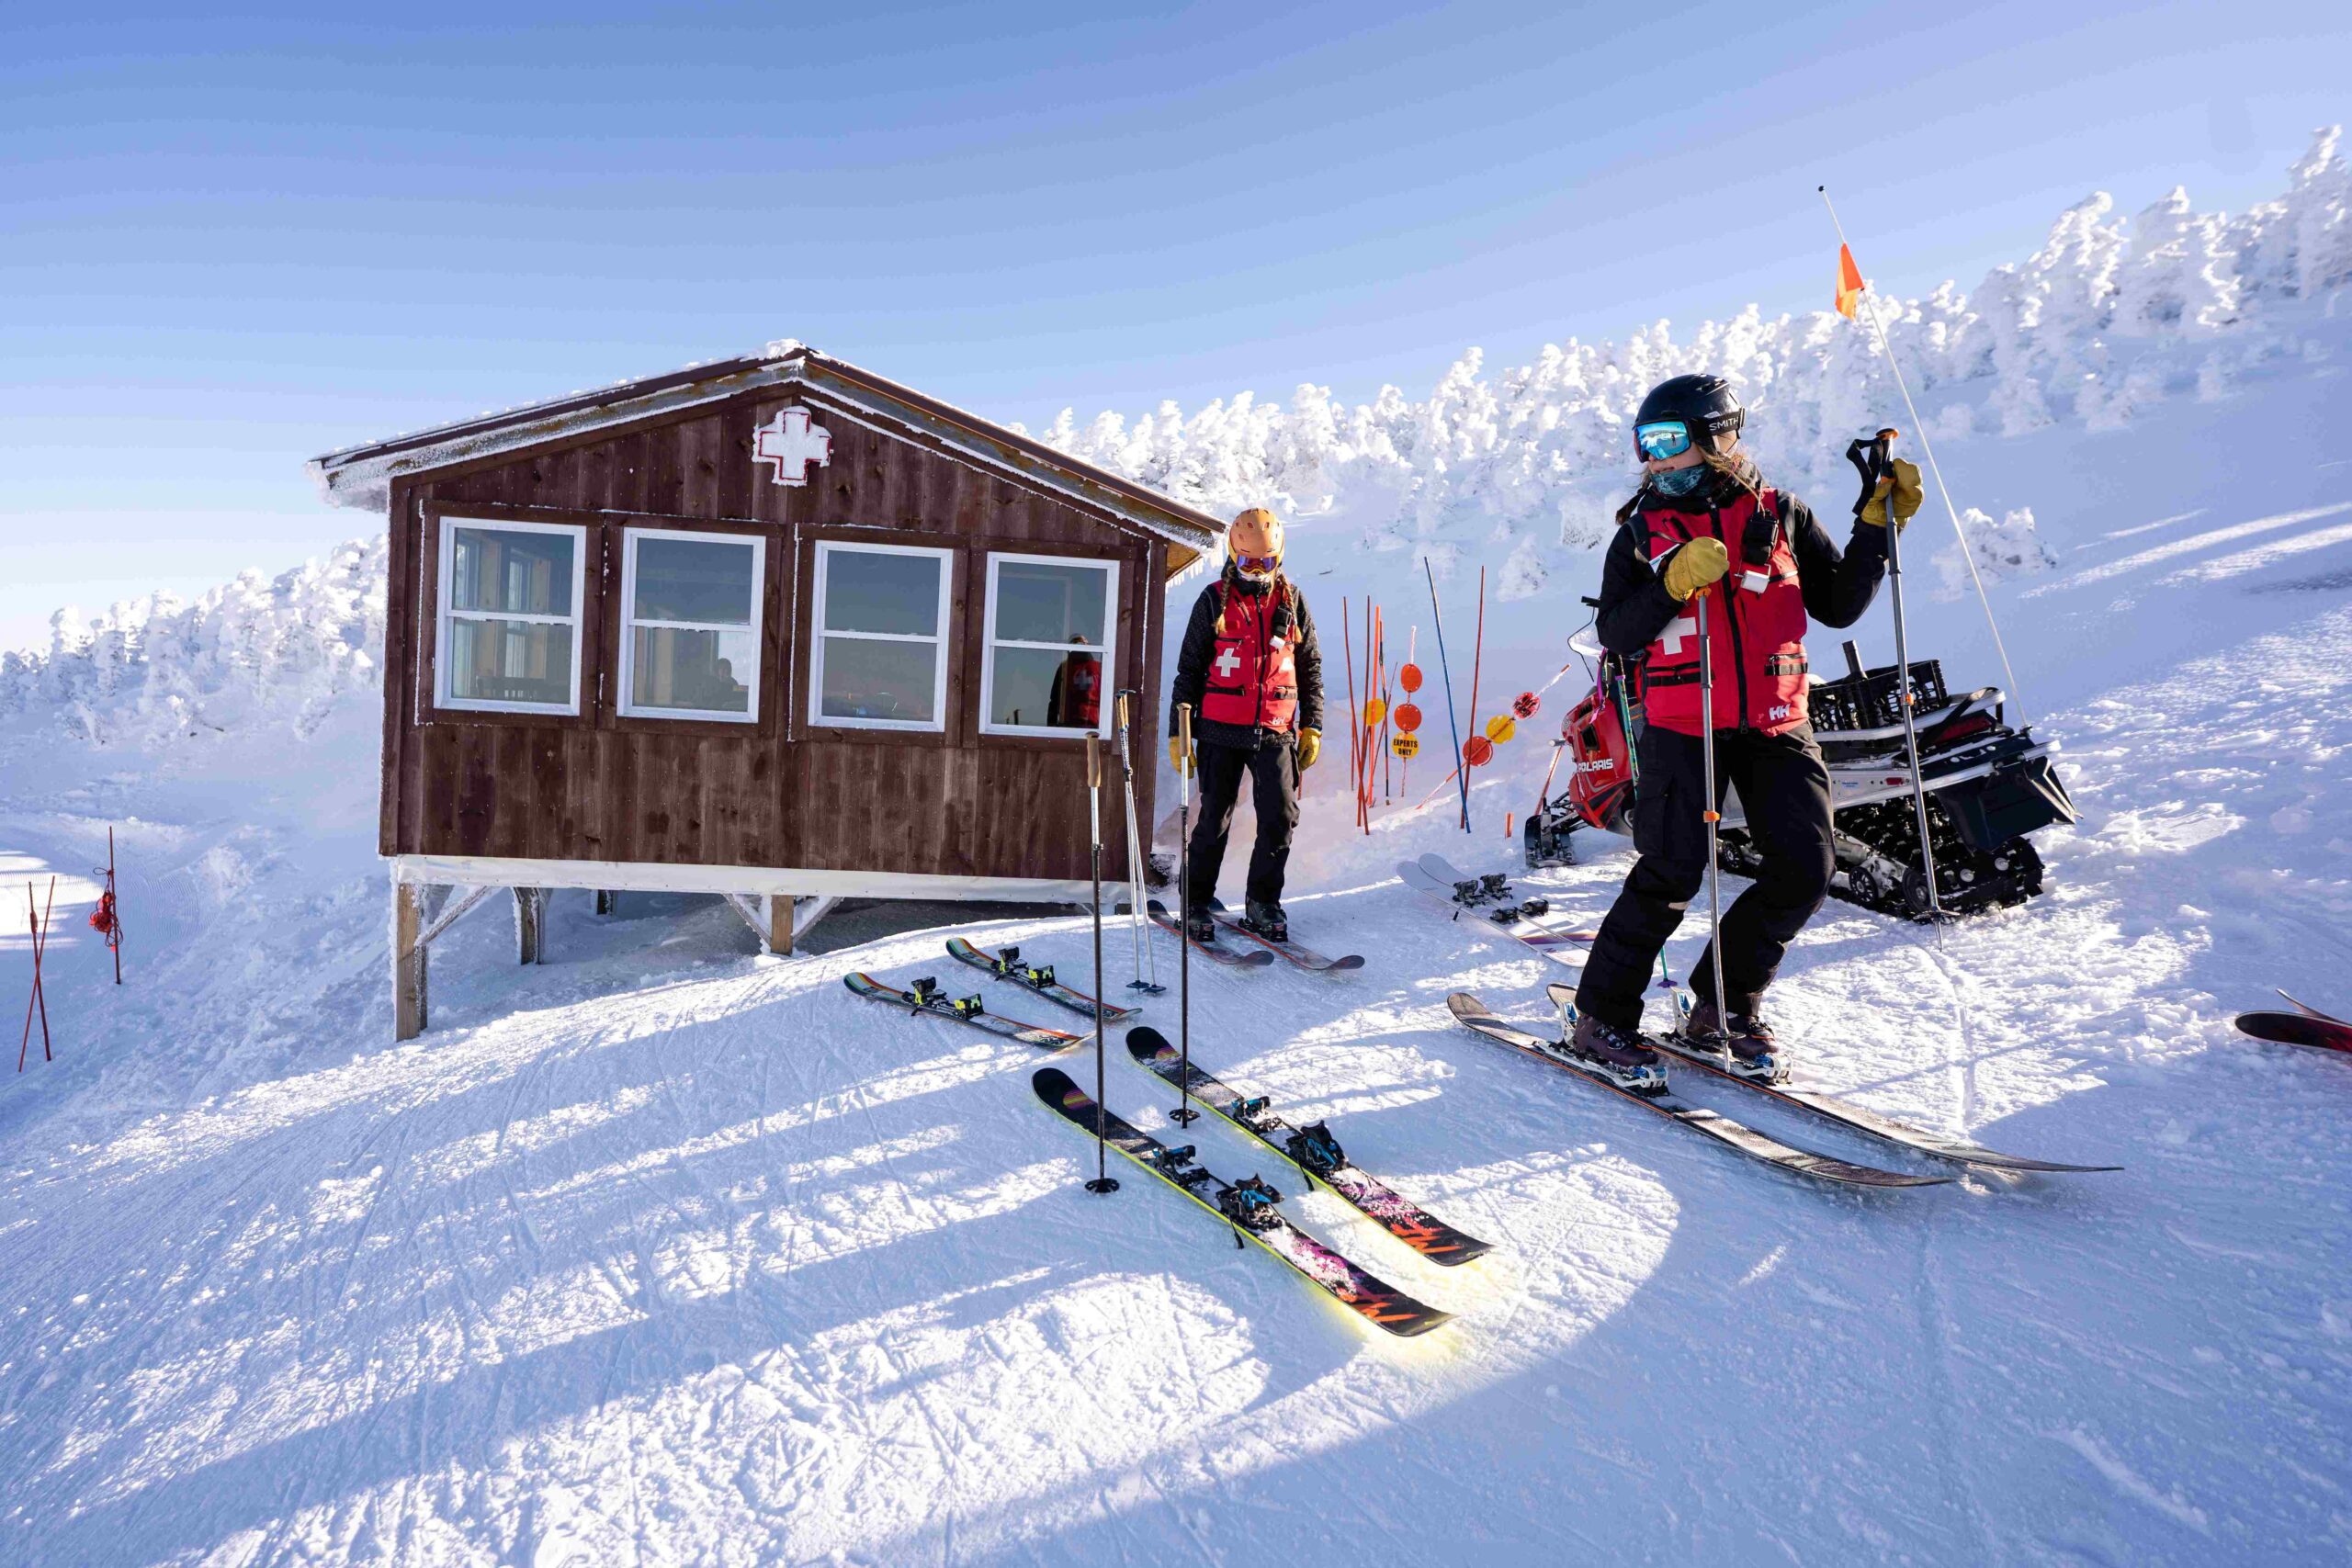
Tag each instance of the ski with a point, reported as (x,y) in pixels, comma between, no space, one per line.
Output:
(1542,939)
(1234,957)
(1475,892)
(1314,1151)
(926,998)
(1472,1014)
(1250,1207)
(2309,1027)
(1005,964)
(1305,957)
(1845,1112)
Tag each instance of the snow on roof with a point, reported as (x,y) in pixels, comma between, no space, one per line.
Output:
(361,476)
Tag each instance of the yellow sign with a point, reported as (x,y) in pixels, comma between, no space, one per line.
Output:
(1501,729)
(1405,746)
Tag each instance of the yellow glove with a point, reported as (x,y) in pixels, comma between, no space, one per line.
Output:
(1177,759)
(1904,483)
(1310,746)
(1694,566)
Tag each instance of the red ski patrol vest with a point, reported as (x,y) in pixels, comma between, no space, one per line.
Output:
(1252,683)
(1079,692)
(1756,625)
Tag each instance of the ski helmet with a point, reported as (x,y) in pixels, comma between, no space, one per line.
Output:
(1254,541)
(1704,405)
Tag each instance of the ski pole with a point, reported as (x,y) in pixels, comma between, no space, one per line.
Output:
(1134,859)
(1452,727)
(1183,1114)
(1874,457)
(1102,1181)
(1713,817)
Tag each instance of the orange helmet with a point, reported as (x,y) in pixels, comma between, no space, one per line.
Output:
(1254,541)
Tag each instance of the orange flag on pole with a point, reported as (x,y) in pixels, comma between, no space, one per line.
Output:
(1849,282)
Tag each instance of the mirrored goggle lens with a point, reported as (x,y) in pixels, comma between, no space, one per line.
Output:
(1665,439)
(1257,563)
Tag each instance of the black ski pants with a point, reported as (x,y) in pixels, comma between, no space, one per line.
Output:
(1784,796)
(1271,768)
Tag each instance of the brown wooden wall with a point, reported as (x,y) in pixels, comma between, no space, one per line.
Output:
(780,793)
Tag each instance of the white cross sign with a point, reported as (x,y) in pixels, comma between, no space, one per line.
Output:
(1682,625)
(791,443)
(1227,662)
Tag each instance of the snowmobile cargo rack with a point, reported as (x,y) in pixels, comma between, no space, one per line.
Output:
(1870,699)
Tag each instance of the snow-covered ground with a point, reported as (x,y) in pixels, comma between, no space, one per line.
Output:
(667,1252)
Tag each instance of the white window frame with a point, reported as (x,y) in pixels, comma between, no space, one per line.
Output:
(937,725)
(990,642)
(444,659)
(631,623)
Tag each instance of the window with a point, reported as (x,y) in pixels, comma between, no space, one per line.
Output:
(880,660)
(690,625)
(510,615)
(1049,665)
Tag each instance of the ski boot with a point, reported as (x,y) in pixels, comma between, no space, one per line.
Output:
(1199,926)
(1744,1039)
(1251,1204)
(1618,1056)
(1266,919)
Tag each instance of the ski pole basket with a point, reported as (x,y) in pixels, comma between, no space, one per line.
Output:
(1872,699)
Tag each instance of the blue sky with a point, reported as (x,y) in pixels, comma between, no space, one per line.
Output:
(228,244)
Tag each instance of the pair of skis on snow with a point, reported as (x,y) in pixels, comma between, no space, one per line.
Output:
(1251,1206)
(1243,957)
(1005,964)
(1452,891)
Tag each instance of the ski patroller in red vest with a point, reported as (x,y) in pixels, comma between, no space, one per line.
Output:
(1756,625)
(1253,680)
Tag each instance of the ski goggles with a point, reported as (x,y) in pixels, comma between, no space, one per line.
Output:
(1664,439)
(1257,564)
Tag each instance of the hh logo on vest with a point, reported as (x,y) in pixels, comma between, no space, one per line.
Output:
(1756,624)
(1253,682)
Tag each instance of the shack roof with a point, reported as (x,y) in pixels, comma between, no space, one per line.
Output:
(361,476)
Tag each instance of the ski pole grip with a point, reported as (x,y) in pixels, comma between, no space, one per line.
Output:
(1094,760)
(1123,710)
(1185,735)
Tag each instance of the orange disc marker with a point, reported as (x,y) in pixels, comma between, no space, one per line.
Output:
(1409,677)
(1409,718)
(1526,705)
(1477,751)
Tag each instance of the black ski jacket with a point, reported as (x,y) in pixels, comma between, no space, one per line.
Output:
(1192,681)
(1837,586)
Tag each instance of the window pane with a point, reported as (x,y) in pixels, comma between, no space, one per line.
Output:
(869,591)
(693,579)
(707,671)
(1038,603)
(501,569)
(879,680)
(1035,685)
(510,661)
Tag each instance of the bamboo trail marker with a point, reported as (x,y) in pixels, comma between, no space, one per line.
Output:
(37,918)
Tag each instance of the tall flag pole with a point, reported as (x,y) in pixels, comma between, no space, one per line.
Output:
(1850,291)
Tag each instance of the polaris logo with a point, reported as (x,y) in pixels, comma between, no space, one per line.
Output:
(1604,765)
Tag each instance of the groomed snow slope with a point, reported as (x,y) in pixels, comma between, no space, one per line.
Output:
(665,1252)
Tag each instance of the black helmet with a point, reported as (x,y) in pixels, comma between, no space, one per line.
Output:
(1704,403)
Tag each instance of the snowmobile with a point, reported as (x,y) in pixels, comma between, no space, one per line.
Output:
(1988,786)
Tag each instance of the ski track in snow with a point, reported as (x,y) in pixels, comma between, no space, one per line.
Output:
(664,1251)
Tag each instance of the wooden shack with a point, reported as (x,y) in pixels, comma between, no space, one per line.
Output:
(772,627)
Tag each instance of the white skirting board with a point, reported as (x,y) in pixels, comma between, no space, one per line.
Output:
(649,876)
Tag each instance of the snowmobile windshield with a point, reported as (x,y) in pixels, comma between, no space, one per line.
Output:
(1664,439)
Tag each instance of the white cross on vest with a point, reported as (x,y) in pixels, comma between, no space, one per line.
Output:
(1682,625)
(791,443)
(1227,662)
